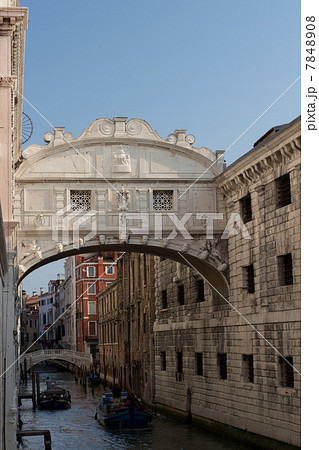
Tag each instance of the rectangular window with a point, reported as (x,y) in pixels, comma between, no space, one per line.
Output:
(285,273)
(222,365)
(283,191)
(179,357)
(248,368)
(110,270)
(92,328)
(246,212)
(164,299)
(200,291)
(80,200)
(180,294)
(199,363)
(286,372)
(91,270)
(91,288)
(249,278)
(30,323)
(44,319)
(145,269)
(91,307)
(144,323)
(162,200)
(163,361)
(35,336)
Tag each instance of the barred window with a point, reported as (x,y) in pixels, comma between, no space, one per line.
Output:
(286,372)
(249,278)
(180,292)
(222,364)
(246,212)
(179,357)
(163,361)
(200,291)
(248,368)
(199,363)
(285,270)
(283,191)
(80,200)
(162,200)
(164,299)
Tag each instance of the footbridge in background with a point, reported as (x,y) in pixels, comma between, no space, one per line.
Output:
(71,356)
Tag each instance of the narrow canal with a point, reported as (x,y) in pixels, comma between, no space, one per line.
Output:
(76,428)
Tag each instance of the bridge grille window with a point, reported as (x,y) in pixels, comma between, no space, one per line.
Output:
(246,212)
(222,364)
(80,200)
(286,372)
(283,191)
(285,270)
(248,368)
(162,200)
(199,363)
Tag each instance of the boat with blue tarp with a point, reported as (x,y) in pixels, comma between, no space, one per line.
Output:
(124,412)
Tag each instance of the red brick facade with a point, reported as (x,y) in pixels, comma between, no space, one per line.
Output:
(93,274)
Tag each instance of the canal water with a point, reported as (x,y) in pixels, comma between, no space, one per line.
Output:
(76,428)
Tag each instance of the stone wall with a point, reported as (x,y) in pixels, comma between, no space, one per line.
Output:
(258,391)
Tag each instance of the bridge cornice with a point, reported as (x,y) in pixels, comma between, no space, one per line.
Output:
(135,132)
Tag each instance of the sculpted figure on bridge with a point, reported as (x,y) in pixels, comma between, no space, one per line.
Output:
(123,199)
(121,160)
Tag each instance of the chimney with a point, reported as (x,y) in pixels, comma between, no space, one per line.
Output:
(41,290)
(34,293)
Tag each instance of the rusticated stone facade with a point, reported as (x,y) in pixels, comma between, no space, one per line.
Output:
(136,313)
(211,363)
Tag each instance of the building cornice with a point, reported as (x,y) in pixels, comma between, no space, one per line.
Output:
(279,149)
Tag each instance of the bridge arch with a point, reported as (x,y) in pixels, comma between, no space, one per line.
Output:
(120,186)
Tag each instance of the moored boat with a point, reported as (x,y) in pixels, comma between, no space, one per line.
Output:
(55,398)
(124,413)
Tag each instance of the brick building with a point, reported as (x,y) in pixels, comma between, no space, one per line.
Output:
(92,273)
(208,361)
(30,322)
(136,315)
(108,333)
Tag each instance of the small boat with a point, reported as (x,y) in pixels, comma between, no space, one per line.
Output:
(93,378)
(55,398)
(125,413)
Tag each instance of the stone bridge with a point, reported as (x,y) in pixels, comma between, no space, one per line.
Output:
(120,187)
(71,356)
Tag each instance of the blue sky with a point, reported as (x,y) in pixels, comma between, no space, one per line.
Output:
(209,66)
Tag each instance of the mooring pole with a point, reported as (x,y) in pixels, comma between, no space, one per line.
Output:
(21,374)
(34,402)
(38,386)
(25,371)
